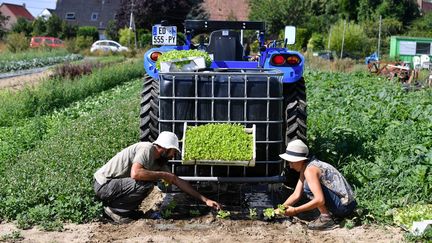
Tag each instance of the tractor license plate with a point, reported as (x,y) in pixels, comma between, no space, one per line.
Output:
(164,35)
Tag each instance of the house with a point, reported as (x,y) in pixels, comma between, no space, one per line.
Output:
(95,13)
(227,9)
(46,13)
(14,12)
(425,5)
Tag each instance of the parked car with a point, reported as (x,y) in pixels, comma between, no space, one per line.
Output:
(53,42)
(328,55)
(107,45)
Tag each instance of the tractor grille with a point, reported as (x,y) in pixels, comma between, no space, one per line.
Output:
(244,96)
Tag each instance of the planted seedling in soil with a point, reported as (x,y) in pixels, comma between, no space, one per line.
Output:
(168,211)
(253,213)
(269,213)
(194,213)
(222,214)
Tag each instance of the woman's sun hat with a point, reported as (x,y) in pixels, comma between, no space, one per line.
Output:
(296,151)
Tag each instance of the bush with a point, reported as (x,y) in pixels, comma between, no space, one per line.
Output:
(356,42)
(71,45)
(144,37)
(88,32)
(83,42)
(127,37)
(17,42)
(72,71)
(316,42)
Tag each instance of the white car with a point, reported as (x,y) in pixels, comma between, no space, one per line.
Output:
(107,45)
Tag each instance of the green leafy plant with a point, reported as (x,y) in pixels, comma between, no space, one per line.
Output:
(223,214)
(218,142)
(281,208)
(407,215)
(253,213)
(172,55)
(269,213)
(166,213)
(194,213)
(14,236)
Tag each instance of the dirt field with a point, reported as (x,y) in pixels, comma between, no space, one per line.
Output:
(206,228)
(19,82)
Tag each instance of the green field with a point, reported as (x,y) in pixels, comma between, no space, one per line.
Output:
(378,135)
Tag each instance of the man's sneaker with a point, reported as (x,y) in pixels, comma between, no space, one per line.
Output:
(116,217)
(323,222)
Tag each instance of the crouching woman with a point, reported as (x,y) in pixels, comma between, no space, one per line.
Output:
(322,183)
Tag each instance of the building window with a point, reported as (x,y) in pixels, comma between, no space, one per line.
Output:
(423,48)
(94,16)
(70,16)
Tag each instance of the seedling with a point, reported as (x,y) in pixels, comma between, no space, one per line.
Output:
(269,213)
(167,212)
(253,213)
(194,213)
(281,208)
(222,214)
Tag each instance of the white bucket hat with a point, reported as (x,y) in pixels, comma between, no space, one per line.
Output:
(296,151)
(168,140)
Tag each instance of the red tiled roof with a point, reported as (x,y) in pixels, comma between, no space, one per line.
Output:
(19,11)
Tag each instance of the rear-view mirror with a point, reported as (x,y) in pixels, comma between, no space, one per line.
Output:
(290,32)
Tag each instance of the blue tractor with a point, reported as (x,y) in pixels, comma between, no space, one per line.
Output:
(268,92)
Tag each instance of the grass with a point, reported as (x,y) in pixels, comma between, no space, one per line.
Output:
(7,56)
(375,133)
(56,182)
(57,93)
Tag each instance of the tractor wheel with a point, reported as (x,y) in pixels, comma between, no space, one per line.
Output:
(149,114)
(295,111)
(295,121)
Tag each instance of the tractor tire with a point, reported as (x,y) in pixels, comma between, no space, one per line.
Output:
(295,122)
(295,111)
(149,113)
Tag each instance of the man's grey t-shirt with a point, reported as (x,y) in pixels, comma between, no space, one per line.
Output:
(120,165)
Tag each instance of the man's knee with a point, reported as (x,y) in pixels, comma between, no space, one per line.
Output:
(144,188)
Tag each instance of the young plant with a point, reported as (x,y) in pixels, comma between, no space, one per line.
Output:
(269,213)
(194,213)
(227,142)
(253,213)
(223,214)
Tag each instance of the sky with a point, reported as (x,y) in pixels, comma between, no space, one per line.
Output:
(35,7)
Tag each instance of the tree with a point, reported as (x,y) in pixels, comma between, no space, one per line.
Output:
(88,31)
(111,30)
(279,13)
(3,21)
(22,26)
(68,30)
(356,42)
(39,27)
(422,27)
(54,26)
(150,12)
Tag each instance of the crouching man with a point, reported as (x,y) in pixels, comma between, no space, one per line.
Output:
(124,182)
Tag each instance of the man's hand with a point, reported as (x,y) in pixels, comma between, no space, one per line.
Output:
(290,211)
(213,204)
(170,178)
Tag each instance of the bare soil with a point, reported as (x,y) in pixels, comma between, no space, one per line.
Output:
(19,82)
(205,228)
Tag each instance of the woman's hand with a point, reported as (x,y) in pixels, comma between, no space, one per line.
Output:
(290,211)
